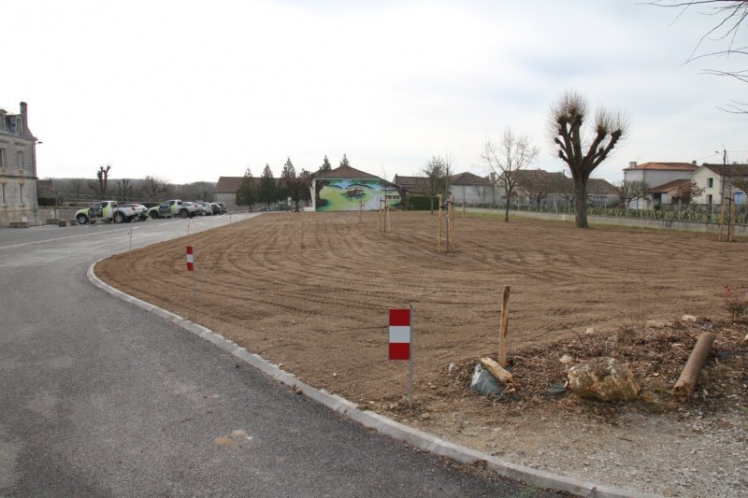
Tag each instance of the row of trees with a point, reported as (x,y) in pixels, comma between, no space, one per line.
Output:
(147,190)
(291,185)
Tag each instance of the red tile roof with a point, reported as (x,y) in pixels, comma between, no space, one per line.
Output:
(669,186)
(344,172)
(664,167)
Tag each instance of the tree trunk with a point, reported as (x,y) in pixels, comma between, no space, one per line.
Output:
(580,202)
(690,374)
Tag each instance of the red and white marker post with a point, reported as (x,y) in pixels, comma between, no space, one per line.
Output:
(401,341)
(191,268)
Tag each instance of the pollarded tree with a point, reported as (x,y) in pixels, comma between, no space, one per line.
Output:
(268,192)
(506,158)
(583,152)
(246,194)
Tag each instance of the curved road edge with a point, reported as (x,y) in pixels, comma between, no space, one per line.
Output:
(372,420)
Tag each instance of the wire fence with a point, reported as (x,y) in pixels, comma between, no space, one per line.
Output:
(698,213)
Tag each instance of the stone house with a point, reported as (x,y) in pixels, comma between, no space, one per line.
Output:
(18,178)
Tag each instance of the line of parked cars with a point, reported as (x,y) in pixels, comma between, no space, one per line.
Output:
(112,211)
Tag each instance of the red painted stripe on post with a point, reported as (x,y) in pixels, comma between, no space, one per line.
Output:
(400,317)
(399,351)
(190,260)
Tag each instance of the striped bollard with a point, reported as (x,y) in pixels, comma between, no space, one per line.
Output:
(191,268)
(401,342)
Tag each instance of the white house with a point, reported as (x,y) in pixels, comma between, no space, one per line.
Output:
(654,174)
(715,179)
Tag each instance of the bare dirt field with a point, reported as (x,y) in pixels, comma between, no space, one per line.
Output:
(311,292)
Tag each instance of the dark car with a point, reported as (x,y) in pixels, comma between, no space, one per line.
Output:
(218,207)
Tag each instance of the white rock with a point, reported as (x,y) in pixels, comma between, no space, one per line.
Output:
(688,318)
(566,359)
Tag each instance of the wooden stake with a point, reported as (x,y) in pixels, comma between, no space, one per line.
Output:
(504,327)
(721,221)
(439,229)
(690,374)
(731,226)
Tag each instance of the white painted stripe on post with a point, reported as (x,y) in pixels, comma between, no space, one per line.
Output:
(190,258)
(400,334)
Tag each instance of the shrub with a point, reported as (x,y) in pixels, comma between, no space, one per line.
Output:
(736,301)
(421,203)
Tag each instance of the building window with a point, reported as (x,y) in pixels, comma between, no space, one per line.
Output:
(19,125)
(20,160)
(709,199)
(710,182)
(2,158)
(2,194)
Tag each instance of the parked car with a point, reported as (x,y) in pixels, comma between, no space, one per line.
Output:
(172,209)
(204,208)
(140,210)
(106,211)
(216,208)
(223,207)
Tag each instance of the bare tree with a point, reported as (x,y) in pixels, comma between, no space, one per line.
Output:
(152,189)
(565,123)
(505,158)
(687,192)
(729,15)
(631,191)
(436,179)
(124,189)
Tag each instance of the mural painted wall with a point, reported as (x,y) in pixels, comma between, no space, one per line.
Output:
(347,195)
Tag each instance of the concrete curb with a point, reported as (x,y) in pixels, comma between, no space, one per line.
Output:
(383,425)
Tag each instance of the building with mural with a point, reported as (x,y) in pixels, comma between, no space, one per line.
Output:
(348,189)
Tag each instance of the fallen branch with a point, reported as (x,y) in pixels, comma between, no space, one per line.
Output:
(690,374)
(497,370)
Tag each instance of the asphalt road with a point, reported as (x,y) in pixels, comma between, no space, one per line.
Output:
(100,398)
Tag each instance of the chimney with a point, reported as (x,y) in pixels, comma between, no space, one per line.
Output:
(632,164)
(24,116)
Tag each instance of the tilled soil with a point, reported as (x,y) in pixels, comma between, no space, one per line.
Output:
(311,292)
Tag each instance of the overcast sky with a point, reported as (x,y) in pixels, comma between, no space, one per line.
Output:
(189,90)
